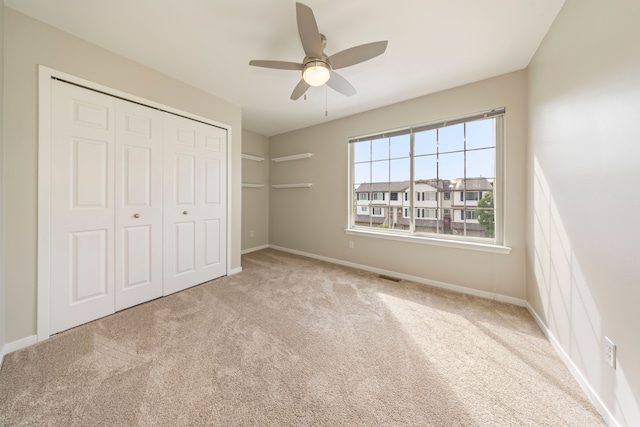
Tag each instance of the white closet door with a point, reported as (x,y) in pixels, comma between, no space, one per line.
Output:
(138,194)
(195,203)
(82,206)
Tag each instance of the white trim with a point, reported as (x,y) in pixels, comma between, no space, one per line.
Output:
(582,381)
(230,200)
(293,157)
(250,185)
(44,209)
(421,280)
(233,271)
(25,342)
(257,248)
(252,157)
(45,74)
(412,238)
(301,185)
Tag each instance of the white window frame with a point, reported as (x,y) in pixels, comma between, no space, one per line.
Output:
(495,245)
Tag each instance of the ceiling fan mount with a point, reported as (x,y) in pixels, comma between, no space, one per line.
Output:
(317,68)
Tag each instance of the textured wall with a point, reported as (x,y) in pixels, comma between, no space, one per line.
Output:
(28,43)
(313,220)
(582,241)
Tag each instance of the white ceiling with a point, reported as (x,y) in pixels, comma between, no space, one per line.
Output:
(433,45)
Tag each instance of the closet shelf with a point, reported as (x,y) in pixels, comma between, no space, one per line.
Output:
(301,185)
(250,185)
(251,157)
(293,157)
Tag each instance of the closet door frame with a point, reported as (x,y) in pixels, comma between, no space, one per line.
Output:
(45,76)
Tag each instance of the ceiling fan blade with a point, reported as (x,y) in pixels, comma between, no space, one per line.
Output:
(300,89)
(358,54)
(308,30)
(280,65)
(340,84)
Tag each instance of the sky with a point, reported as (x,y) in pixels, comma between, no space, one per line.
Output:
(439,153)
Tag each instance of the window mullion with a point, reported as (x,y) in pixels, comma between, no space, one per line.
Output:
(412,140)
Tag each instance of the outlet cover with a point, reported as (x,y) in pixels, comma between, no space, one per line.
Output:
(610,352)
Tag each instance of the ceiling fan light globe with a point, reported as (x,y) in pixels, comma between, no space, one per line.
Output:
(316,73)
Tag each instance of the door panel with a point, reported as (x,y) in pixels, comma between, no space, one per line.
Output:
(138,179)
(212,242)
(138,175)
(185,175)
(89,173)
(185,247)
(137,257)
(82,202)
(195,208)
(89,253)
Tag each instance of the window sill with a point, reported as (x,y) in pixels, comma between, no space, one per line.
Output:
(458,244)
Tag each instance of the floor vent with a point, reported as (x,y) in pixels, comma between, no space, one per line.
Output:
(393,279)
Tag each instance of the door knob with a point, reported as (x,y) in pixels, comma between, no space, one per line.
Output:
(136,215)
(184,212)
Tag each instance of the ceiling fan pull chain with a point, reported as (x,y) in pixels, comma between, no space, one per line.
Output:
(326,109)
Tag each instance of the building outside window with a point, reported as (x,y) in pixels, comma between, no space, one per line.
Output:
(450,166)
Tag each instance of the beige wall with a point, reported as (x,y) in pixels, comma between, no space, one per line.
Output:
(2,304)
(313,220)
(28,43)
(255,201)
(584,150)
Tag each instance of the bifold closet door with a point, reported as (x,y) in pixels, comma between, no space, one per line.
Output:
(195,203)
(138,195)
(82,206)
(106,205)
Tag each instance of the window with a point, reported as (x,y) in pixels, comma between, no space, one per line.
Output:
(425,213)
(435,161)
(363,196)
(469,195)
(376,211)
(363,210)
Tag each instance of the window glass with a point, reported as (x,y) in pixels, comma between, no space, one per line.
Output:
(451,138)
(450,171)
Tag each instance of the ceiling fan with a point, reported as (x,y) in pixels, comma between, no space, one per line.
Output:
(318,68)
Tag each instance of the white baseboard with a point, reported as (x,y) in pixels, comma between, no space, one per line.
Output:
(257,248)
(234,271)
(434,283)
(25,342)
(582,381)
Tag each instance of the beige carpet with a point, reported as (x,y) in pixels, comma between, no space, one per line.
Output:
(293,341)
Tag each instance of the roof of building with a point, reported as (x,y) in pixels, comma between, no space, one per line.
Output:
(470,184)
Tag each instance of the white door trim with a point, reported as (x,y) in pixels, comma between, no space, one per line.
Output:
(45,74)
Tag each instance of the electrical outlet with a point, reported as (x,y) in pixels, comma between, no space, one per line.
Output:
(610,352)
(251,233)
(351,245)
